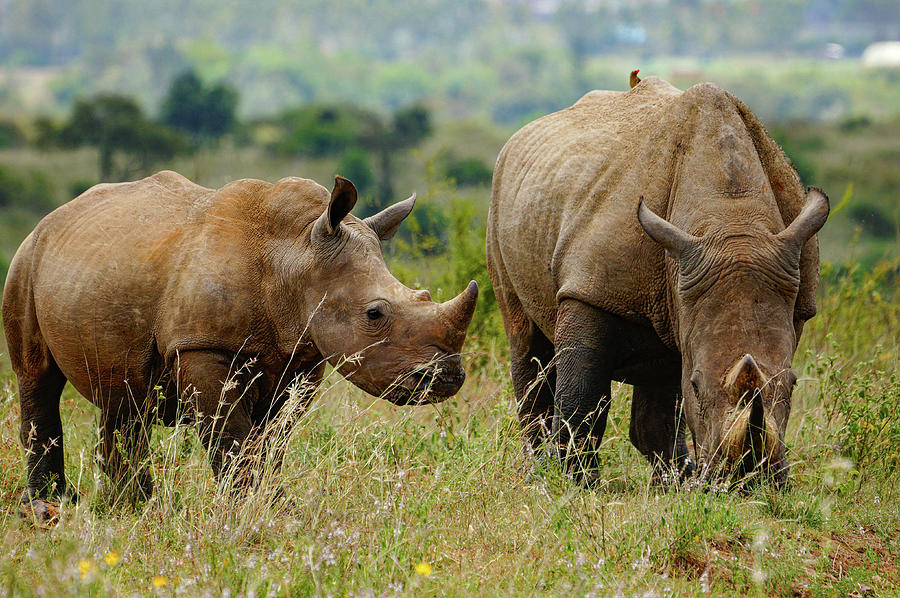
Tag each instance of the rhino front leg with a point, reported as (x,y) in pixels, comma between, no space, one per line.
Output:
(272,423)
(581,403)
(657,430)
(218,391)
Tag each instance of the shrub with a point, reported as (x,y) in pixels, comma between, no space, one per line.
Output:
(321,130)
(10,134)
(469,172)
(30,190)
(354,165)
(79,186)
(873,220)
(869,407)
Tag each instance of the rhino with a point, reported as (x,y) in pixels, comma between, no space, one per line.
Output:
(660,238)
(161,300)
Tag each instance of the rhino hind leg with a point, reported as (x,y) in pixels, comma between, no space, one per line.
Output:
(41,431)
(585,348)
(124,448)
(534,381)
(657,431)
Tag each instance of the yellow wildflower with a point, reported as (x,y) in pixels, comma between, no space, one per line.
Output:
(85,567)
(424,569)
(160,581)
(111,558)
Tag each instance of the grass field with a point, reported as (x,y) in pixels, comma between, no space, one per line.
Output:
(440,500)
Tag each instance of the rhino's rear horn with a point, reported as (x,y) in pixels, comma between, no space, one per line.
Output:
(672,238)
(343,198)
(459,310)
(386,222)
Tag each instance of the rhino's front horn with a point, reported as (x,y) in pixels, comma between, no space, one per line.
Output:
(458,311)
(762,440)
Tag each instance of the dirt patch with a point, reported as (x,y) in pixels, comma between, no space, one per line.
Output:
(712,565)
(862,549)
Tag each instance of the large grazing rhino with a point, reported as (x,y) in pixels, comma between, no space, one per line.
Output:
(224,297)
(698,292)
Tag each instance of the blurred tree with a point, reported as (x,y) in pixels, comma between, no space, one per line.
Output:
(206,113)
(322,130)
(468,172)
(116,124)
(31,190)
(406,128)
(46,133)
(10,134)
(586,28)
(354,165)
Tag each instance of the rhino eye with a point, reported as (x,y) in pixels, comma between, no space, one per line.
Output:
(695,379)
(373,313)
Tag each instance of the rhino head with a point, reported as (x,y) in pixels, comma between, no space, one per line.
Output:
(732,304)
(389,340)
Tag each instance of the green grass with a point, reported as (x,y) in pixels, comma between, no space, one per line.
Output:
(372,491)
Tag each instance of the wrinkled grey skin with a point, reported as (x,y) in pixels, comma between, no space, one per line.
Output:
(643,236)
(161,282)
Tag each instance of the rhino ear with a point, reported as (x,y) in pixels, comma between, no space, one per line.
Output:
(810,219)
(343,198)
(386,222)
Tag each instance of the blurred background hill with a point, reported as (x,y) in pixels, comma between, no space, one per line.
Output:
(401,95)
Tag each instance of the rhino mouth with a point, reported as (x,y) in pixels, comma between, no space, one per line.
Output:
(747,470)
(428,384)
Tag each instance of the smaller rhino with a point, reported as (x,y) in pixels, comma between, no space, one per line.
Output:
(220,298)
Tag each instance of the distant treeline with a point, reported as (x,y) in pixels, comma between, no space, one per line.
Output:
(194,115)
(501,60)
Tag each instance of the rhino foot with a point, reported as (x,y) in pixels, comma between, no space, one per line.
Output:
(39,511)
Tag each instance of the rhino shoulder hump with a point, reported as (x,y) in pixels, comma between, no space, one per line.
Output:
(709,94)
(597,96)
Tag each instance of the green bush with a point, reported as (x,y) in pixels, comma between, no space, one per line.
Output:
(354,165)
(321,130)
(854,342)
(469,172)
(868,405)
(30,190)
(79,186)
(873,220)
(10,134)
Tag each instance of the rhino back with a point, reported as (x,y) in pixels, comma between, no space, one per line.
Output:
(126,270)
(565,194)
